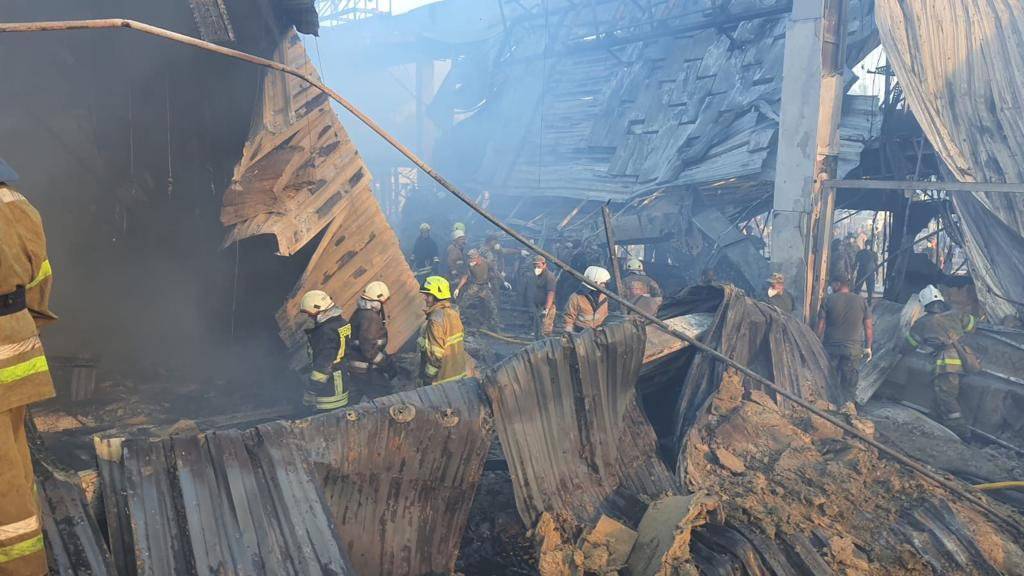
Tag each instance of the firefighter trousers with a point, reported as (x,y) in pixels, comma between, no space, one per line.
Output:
(21,538)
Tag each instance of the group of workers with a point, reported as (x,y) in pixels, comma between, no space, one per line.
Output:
(846,329)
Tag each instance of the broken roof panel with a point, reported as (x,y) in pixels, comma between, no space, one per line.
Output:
(576,441)
(665,111)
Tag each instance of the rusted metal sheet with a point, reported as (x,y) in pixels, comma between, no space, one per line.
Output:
(577,444)
(212,20)
(74,543)
(399,474)
(298,167)
(358,248)
(228,502)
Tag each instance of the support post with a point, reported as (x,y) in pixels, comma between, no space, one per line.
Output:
(612,258)
(812,92)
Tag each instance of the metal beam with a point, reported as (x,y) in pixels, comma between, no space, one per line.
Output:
(999,187)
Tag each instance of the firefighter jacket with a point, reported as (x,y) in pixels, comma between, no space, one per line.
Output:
(369,337)
(442,353)
(940,333)
(25,283)
(585,309)
(328,340)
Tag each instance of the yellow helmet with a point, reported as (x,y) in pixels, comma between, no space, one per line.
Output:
(458,226)
(437,287)
(376,291)
(315,301)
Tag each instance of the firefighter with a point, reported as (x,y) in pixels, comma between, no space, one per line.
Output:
(587,307)
(639,287)
(939,331)
(478,296)
(424,251)
(456,256)
(442,354)
(369,364)
(25,282)
(328,339)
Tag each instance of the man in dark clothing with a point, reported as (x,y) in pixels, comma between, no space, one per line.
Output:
(424,251)
(641,287)
(841,262)
(540,296)
(325,389)
(777,295)
(369,364)
(456,256)
(847,331)
(476,289)
(939,332)
(865,262)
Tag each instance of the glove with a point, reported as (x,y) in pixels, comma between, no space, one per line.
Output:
(867,355)
(456,294)
(507,285)
(389,368)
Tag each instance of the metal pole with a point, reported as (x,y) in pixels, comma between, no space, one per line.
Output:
(371,124)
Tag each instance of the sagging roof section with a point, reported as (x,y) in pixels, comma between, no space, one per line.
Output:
(964,85)
(576,441)
(607,117)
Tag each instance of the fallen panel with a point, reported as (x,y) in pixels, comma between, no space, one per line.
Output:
(298,165)
(222,503)
(577,444)
(74,543)
(359,247)
(399,474)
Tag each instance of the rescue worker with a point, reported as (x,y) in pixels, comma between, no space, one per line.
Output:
(456,256)
(369,364)
(777,295)
(424,251)
(639,285)
(478,294)
(939,332)
(866,262)
(540,296)
(328,340)
(843,257)
(846,330)
(25,283)
(442,353)
(587,307)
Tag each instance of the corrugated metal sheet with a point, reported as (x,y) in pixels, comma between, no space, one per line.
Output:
(964,83)
(577,444)
(74,543)
(399,474)
(359,247)
(222,503)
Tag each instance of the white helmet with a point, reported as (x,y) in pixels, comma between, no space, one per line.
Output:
(456,234)
(596,276)
(376,291)
(634,265)
(929,294)
(315,301)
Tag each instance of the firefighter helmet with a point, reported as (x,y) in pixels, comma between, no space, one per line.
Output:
(424,227)
(458,226)
(456,234)
(376,291)
(596,276)
(930,294)
(634,265)
(315,301)
(437,287)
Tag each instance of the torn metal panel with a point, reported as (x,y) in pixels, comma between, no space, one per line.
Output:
(221,503)
(358,248)
(399,474)
(299,167)
(74,543)
(576,442)
(963,83)
(773,344)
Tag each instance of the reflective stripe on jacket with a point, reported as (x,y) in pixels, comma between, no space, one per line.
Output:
(24,373)
(939,332)
(584,311)
(369,339)
(442,352)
